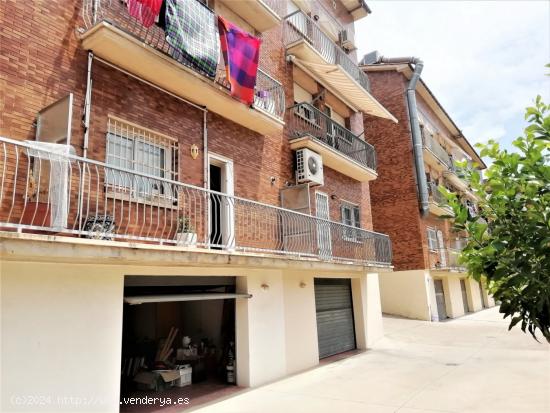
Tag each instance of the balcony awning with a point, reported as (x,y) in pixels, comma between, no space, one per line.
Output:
(341,84)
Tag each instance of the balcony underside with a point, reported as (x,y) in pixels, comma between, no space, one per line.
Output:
(125,51)
(336,80)
(256,12)
(438,210)
(334,159)
(456,181)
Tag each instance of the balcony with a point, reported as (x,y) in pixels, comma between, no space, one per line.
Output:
(320,57)
(260,14)
(434,153)
(447,259)
(118,39)
(43,192)
(340,148)
(438,204)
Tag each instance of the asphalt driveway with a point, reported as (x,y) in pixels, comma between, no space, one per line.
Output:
(471,364)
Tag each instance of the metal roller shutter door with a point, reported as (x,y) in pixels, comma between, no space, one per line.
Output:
(334,307)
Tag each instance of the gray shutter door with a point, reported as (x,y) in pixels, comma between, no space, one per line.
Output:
(440,299)
(481,295)
(464,296)
(334,307)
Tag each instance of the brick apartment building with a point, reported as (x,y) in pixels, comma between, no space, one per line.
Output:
(428,282)
(141,203)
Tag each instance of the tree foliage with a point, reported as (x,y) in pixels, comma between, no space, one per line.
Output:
(509,239)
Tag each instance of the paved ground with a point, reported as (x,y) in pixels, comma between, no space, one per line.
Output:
(471,364)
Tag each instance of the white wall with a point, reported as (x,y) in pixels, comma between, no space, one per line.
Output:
(453,296)
(302,349)
(61,337)
(367,310)
(405,293)
(260,323)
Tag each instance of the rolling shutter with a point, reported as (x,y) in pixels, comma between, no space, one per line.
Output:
(334,307)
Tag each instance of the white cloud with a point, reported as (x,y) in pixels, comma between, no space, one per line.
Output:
(484,60)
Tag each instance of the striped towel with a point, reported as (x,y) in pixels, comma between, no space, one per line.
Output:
(240,51)
(192,32)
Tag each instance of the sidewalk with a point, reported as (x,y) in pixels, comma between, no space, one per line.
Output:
(471,364)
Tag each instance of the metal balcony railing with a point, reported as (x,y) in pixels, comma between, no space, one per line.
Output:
(307,120)
(448,259)
(278,6)
(437,196)
(48,192)
(300,27)
(430,143)
(269,96)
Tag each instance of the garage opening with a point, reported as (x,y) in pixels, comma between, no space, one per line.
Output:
(178,341)
(440,300)
(334,308)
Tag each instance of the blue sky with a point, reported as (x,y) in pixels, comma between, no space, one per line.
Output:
(484,60)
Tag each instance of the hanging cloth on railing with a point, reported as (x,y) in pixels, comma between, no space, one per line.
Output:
(240,51)
(192,32)
(146,11)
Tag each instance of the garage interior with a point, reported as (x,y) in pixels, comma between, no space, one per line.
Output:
(178,339)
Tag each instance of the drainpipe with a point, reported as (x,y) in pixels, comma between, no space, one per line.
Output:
(206,172)
(415,126)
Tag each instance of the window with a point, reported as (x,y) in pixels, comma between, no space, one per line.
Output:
(432,239)
(135,149)
(351,215)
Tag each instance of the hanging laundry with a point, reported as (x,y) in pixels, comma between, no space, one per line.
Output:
(240,51)
(192,32)
(142,12)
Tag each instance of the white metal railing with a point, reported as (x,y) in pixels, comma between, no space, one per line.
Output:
(42,191)
(307,120)
(300,27)
(437,197)
(269,95)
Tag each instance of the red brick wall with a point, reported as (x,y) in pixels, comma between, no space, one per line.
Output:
(41,61)
(394,197)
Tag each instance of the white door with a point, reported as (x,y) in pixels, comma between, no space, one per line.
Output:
(221,228)
(324,241)
(442,256)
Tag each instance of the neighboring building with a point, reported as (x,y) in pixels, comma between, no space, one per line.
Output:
(427,283)
(179,206)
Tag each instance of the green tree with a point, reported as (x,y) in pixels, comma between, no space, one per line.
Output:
(509,238)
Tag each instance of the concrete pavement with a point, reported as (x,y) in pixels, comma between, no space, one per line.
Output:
(470,364)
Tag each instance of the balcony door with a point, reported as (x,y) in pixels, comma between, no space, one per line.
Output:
(221,208)
(324,240)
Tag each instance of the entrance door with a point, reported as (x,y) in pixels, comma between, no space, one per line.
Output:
(440,299)
(481,295)
(324,241)
(334,307)
(464,295)
(221,205)
(442,256)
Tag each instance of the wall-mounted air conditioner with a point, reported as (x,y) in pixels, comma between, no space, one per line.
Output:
(309,167)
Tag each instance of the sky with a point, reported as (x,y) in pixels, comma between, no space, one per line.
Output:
(483,60)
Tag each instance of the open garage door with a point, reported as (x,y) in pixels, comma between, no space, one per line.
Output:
(334,307)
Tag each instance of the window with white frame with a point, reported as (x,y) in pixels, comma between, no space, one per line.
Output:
(143,160)
(351,215)
(432,239)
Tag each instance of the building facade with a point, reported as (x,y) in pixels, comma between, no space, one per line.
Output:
(428,282)
(141,203)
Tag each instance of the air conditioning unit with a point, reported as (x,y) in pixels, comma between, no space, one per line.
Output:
(309,167)
(346,40)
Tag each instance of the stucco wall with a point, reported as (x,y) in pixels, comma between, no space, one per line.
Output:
(405,293)
(61,335)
